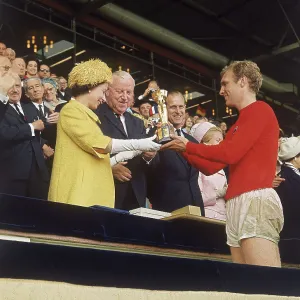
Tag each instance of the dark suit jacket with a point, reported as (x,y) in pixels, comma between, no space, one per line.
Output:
(173,183)
(18,147)
(3,108)
(289,193)
(111,127)
(67,96)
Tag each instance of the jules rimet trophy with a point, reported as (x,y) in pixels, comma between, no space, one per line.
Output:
(165,130)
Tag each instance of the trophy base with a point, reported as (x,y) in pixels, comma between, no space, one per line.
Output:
(164,134)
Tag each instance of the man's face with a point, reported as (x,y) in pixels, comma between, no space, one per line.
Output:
(10,54)
(176,110)
(119,94)
(35,90)
(44,71)
(15,92)
(62,84)
(5,64)
(2,49)
(230,89)
(153,85)
(32,68)
(144,110)
(18,66)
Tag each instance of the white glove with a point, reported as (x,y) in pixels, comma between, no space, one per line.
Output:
(123,156)
(144,145)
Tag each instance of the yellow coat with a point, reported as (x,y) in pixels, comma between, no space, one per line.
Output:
(80,175)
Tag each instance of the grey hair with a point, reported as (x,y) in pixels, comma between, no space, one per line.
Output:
(123,75)
(25,82)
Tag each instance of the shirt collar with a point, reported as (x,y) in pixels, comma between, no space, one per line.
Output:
(290,165)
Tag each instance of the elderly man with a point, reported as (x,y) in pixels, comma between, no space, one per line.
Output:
(19,66)
(63,91)
(174,182)
(116,122)
(253,208)
(2,49)
(10,54)
(34,90)
(23,171)
(44,71)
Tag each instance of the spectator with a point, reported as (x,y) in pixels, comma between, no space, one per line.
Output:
(51,101)
(116,122)
(223,127)
(289,189)
(18,66)
(188,125)
(63,93)
(44,71)
(173,182)
(2,49)
(23,171)
(213,187)
(152,86)
(7,80)
(10,54)
(31,68)
(34,90)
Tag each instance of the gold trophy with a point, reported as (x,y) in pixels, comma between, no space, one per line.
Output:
(164,132)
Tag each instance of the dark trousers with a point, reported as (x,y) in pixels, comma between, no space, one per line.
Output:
(125,198)
(34,187)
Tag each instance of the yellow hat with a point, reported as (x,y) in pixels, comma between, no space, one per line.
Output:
(91,72)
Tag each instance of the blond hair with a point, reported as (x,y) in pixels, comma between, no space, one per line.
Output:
(209,134)
(248,69)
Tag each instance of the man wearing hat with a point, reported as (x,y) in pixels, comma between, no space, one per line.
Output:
(289,189)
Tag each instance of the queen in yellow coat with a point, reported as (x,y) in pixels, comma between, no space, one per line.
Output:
(81,173)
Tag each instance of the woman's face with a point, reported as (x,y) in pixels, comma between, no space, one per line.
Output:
(32,68)
(216,138)
(50,92)
(189,123)
(97,96)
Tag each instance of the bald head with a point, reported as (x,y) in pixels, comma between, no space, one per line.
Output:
(10,54)
(18,66)
(120,91)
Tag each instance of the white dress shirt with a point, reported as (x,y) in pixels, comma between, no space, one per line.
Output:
(3,98)
(38,108)
(122,118)
(22,112)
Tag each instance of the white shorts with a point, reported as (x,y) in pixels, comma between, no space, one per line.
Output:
(254,214)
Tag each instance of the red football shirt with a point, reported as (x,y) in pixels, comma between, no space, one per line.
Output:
(249,148)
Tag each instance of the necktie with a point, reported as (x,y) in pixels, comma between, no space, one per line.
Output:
(41,114)
(19,112)
(178,132)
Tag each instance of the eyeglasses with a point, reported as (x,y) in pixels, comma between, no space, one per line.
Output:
(44,70)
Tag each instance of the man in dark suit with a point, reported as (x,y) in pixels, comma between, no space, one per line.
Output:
(130,178)
(23,170)
(173,182)
(63,92)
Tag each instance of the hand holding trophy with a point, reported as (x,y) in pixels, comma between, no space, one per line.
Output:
(164,131)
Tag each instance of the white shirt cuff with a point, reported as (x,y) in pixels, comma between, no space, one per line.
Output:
(32,129)
(140,97)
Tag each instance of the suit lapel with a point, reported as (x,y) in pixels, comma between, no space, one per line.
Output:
(11,111)
(110,116)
